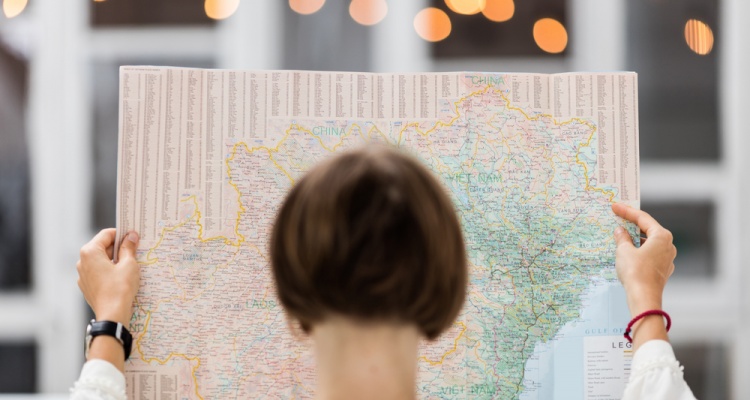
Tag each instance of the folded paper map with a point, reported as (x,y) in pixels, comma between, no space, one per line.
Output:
(532,162)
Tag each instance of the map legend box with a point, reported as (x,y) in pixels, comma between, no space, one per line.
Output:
(607,361)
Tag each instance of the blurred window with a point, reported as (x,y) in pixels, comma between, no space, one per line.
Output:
(19,374)
(15,235)
(706,369)
(693,228)
(476,36)
(328,40)
(148,12)
(677,85)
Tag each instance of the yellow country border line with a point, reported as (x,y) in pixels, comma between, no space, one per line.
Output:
(147,323)
(199,216)
(242,208)
(441,123)
(148,260)
(270,150)
(451,351)
(170,356)
(140,337)
(193,369)
(610,194)
(196,215)
(538,117)
(276,149)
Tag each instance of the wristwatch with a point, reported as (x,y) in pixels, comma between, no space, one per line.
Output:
(108,328)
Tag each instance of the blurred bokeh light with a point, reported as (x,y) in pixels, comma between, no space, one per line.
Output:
(550,35)
(432,24)
(466,7)
(499,10)
(699,36)
(368,12)
(11,8)
(221,9)
(305,7)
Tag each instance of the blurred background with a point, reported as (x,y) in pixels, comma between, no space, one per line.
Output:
(59,64)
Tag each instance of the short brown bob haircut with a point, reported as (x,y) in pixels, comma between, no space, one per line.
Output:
(370,234)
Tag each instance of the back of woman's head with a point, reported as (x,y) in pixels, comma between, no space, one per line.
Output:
(370,235)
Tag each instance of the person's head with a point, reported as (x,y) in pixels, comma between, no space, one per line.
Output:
(370,235)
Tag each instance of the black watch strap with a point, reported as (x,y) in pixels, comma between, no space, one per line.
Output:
(109,328)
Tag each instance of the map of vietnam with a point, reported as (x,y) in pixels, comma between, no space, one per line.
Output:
(532,163)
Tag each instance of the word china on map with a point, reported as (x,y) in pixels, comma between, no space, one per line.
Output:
(532,163)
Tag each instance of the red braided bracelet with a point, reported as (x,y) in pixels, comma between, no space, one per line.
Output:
(646,314)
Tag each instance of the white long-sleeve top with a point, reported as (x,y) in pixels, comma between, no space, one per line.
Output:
(100,380)
(655,375)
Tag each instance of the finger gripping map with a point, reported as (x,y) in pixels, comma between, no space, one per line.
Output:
(532,162)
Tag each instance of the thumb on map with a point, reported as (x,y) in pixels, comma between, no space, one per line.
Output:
(622,238)
(129,246)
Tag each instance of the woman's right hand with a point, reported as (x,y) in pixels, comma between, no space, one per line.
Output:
(644,270)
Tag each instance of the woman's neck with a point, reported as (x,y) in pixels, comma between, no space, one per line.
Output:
(365,361)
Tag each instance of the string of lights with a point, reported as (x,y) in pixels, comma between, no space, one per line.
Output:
(433,24)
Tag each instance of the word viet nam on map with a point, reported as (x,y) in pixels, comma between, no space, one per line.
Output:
(531,161)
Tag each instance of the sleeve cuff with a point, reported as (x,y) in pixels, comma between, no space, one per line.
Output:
(103,376)
(654,354)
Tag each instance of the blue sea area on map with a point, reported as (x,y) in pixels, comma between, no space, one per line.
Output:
(555,371)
